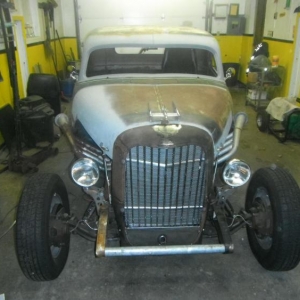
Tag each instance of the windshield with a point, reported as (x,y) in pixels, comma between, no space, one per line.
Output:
(151,61)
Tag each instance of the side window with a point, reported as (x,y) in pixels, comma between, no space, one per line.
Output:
(213,65)
(31,15)
(206,63)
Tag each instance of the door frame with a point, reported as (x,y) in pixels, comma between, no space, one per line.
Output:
(294,89)
(20,38)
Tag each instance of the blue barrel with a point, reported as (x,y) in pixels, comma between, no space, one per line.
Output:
(67,87)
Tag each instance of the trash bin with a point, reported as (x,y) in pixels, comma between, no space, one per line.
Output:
(235,67)
(36,120)
(67,87)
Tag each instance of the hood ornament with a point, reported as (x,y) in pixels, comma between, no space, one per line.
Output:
(164,116)
(166,131)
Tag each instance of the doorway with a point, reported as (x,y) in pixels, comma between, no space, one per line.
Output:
(294,90)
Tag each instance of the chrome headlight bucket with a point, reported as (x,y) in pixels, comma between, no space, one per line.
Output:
(236,173)
(85,172)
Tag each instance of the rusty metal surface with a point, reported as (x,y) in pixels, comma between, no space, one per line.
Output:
(116,108)
(191,101)
(138,30)
(102,227)
(130,101)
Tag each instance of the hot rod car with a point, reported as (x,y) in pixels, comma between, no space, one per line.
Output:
(153,133)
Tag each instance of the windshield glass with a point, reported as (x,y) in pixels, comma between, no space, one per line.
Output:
(151,61)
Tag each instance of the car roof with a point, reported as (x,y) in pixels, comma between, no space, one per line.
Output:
(141,30)
(148,35)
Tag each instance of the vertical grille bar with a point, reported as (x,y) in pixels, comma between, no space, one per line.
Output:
(131,186)
(138,185)
(198,185)
(184,185)
(157,187)
(145,187)
(192,178)
(164,187)
(171,187)
(202,182)
(151,185)
(178,186)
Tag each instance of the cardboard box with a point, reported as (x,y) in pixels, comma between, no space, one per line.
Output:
(254,95)
(252,77)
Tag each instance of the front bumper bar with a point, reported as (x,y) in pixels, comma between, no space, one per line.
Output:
(164,250)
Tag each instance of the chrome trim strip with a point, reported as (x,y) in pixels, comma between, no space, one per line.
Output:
(164,207)
(162,164)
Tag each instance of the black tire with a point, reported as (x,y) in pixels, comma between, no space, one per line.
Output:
(47,86)
(274,191)
(262,120)
(42,246)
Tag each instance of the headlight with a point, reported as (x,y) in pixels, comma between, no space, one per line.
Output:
(85,172)
(236,173)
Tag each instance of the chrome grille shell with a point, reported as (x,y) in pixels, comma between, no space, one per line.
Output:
(140,156)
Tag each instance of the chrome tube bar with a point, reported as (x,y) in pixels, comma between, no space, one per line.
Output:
(240,120)
(164,250)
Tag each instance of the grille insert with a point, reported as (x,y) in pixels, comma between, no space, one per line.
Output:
(164,187)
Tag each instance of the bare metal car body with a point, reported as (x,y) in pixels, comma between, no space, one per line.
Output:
(153,132)
(153,124)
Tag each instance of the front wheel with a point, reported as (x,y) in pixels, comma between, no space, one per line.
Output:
(262,120)
(42,234)
(273,199)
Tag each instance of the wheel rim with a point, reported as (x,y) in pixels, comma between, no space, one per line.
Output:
(262,204)
(56,224)
(259,120)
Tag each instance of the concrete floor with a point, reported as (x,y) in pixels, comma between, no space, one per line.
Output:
(235,276)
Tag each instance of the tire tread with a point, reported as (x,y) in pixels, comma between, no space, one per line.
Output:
(285,251)
(31,243)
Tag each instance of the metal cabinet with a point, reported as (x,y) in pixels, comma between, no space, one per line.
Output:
(236,25)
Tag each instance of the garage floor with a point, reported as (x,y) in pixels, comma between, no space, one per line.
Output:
(236,276)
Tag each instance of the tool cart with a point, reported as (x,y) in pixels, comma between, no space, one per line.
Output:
(264,79)
(281,118)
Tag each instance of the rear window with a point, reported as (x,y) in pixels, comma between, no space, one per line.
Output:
(151,61)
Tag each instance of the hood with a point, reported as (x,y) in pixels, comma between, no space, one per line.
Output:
(107,110)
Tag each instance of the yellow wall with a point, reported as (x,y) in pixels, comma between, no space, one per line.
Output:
(285,52)
(69,43)
(231,47)
(5,89)
(36,55)
(238,49)
(247,50)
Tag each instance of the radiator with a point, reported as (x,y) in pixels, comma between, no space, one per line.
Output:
(164,187)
